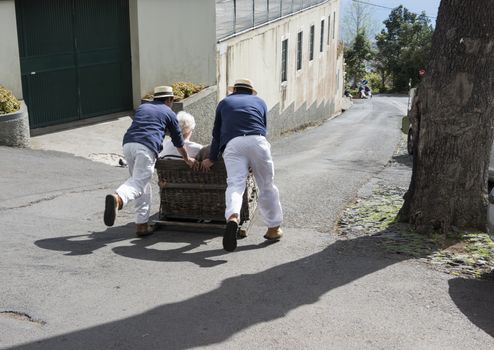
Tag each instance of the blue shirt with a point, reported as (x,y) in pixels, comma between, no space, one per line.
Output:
(151,121)
(237,114)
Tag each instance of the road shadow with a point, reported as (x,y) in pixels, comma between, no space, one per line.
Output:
(238,303)
(475,299)
(403,159)
(146,248)
(87,244)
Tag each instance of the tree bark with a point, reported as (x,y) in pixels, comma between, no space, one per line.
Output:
(383,80)
(452,120)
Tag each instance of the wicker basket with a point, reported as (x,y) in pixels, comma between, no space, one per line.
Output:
(191,195)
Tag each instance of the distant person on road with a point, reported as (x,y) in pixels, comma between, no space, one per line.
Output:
(141,145)
(187,124)
(368,91)
(361,92)
(239,132)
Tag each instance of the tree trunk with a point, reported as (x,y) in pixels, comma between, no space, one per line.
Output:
(383,80)
(453,123)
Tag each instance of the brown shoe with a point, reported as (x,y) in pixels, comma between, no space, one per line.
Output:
(111,209)
(242,232)
(273,233)
(143,230)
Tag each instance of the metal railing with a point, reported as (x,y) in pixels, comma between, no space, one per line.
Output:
(234,16)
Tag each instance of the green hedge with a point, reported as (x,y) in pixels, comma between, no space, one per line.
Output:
(8,102)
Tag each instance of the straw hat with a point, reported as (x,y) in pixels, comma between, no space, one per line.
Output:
(163,91)
(243,83)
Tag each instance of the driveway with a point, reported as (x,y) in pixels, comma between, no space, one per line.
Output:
(68,282)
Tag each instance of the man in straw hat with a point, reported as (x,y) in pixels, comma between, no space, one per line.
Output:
(240,133)
(141,145)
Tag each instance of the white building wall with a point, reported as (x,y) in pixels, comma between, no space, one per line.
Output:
(172,40)
(10,69)
(340,74)
(256,54)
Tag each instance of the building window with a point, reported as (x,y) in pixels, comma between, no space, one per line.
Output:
(284,59)
(299,50)
(311,43)
(334,22)
(321,42)
(329,29)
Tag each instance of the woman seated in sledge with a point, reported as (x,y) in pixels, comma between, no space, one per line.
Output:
(187,125)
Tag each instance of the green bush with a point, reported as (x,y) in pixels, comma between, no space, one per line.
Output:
(8,102)
(374,81)
(181,90)
(185,89)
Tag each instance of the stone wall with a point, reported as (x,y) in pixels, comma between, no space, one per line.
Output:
(291,119)
(203,107)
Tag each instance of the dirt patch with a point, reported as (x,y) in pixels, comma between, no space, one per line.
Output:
(467,254)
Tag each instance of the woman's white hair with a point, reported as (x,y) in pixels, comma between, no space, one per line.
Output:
(186,121)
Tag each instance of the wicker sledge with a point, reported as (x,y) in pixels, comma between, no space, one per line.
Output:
(197,199)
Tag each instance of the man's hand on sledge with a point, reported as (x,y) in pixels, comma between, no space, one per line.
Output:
(206,164)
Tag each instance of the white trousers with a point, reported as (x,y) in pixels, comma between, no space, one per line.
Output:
(140,160)
(251,151)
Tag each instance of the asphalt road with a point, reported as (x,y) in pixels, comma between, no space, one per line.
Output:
(68,282)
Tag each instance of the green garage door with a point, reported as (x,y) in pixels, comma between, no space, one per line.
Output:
(75,58)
